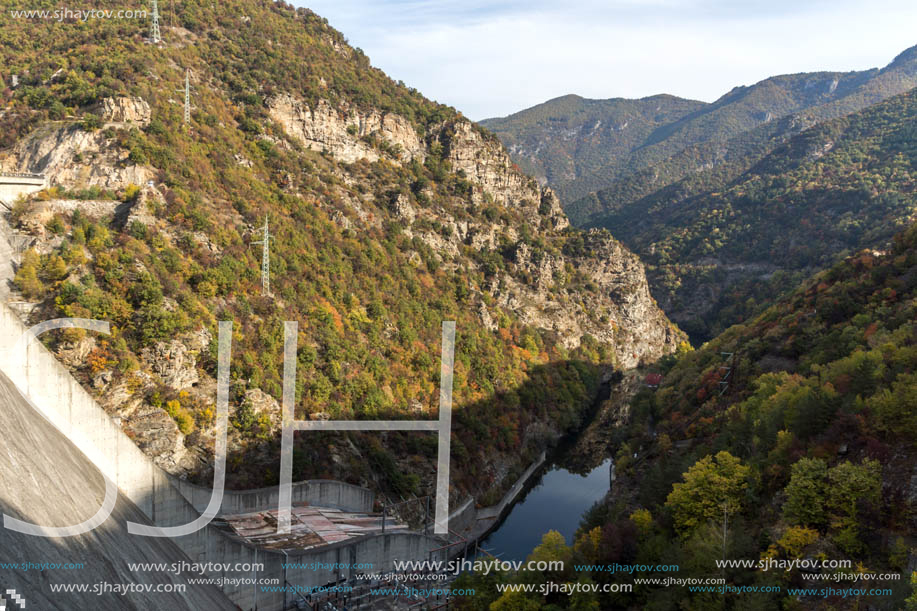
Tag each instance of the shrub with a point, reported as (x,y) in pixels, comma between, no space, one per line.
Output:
(182,417)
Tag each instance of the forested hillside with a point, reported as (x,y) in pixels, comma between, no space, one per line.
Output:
(789,437)
(840,186)
(389,214)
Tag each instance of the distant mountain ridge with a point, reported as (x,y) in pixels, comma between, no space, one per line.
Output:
(600,154)
(566,137)
(842,185)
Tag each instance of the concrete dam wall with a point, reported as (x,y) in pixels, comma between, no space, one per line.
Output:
(12,186)
(45,479)
(168,502)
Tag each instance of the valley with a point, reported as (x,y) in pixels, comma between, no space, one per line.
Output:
(684,331)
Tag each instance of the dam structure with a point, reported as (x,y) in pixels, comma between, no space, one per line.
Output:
(334,526)
(16,184)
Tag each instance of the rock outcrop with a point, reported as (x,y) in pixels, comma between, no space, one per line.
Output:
(485,162)
(619,310)
(71,156)
(126,110)
(174,362)
(597,290)
(348,134)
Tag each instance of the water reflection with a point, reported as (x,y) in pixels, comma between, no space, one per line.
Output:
(556,502)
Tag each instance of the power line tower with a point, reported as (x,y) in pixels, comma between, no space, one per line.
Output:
(265,241)
(729,369)
(155,34)
(187,92)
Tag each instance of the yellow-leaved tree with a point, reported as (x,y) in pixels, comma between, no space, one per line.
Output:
(714,486)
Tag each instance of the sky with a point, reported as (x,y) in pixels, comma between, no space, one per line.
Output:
(491,59)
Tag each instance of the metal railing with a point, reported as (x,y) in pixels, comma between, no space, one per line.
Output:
(21,175)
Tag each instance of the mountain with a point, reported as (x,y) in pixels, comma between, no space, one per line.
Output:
(565,140)
(787,439)
(843,185)
(602,154)
(389,214)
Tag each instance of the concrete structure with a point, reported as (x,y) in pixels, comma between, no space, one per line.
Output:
(322,492)
(473,523)
(166,502)
(8,257)
(14,185)
(45,479)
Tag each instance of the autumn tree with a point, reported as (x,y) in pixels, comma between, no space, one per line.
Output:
(712,486)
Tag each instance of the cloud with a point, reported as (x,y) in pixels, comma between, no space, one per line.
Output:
(494,58)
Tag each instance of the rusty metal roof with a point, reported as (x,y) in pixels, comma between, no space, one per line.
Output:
(311,526)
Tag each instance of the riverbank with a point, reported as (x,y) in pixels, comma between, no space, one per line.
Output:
(579,455)
(471,524)
(595,442)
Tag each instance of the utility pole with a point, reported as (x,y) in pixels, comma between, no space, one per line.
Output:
(265,242)
(155,34)
(725,518)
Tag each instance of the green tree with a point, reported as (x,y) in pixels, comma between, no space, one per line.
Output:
(712,486)
(553,546)
(896,409)
(26,279)
(55,268)
(515,601)
(805,493)
(853,490)
(911,603)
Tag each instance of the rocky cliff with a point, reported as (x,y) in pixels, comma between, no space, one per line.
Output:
(619,311)
(348,134)
(389,214)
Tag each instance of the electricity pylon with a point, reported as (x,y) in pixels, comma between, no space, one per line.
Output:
(187,92)
(265,241)
(155,34)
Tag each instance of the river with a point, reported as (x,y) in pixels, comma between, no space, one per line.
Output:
(556,500)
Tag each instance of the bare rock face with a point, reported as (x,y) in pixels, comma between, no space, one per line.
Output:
(175,362)
(156,433)
(404,210)
(126,110)
(550,204)
(639,328)
(75,158)
(263,403)
(618,309)
(344,132)
(485,162)
(74,354)
(151,428)
(36,218)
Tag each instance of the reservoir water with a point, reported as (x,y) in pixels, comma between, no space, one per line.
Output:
(556,501)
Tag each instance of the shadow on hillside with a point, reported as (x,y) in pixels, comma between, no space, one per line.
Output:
(493,440)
